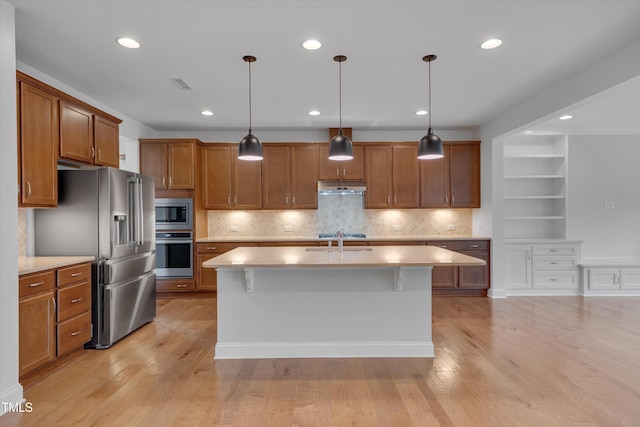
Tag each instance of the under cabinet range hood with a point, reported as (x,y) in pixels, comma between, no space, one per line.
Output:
(341,187)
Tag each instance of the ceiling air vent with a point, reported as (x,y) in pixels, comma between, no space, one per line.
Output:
(182,85)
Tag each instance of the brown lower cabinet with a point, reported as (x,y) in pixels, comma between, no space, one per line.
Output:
(206,278)
(462,280)
(54,316)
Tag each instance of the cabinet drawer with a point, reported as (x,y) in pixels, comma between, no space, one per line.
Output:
(561,279)
(555,250)
(461,245)
(175,285)
(73,300)
(73,274)
(34,283)
(554,263)
(74,332)
(219,247)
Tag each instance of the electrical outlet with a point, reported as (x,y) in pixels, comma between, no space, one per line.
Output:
(288,228)
(233,228)
(613,204)
(397,227)
(607,204)
(451,227)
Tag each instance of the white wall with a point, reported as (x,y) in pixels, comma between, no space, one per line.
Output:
(604,168)
(10,388)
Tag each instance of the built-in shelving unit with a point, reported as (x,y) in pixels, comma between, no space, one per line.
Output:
(535,182)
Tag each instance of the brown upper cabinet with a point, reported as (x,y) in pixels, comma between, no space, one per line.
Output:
(53,125)
(170,162)
(391,175)
(229,183)
(340,169)
(454,180)
(86,137)
(38,135)
(290,176)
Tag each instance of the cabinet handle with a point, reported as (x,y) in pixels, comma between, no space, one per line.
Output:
(443,246)
(553,280)
(54,303)
(453,199)
(76,274)
(446,200)
(235,201)
(473,246)
(163,181)
(73,301)
(337,171)
(33,285)
(553,250)
(73,334)
(181,286)
(344,172)
(553,263)
(617,279)
(286,200)
(388,200)
(170,181)
(28,188)
(211,248)
(528,254)
(99,154)
(395,200)
(93,153)
(229,201)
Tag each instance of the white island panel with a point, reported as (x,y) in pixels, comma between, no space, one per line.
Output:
(324,312)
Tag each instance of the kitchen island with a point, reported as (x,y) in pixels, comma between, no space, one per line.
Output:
(320,302)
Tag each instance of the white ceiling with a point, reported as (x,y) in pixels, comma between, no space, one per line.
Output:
(384,79)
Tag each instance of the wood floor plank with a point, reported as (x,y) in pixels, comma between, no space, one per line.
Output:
(519,361)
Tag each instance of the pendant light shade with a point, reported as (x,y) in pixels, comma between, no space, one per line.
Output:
(340,147)
(250,147)
(430,146)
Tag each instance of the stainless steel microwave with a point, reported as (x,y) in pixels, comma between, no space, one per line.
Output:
(174,214)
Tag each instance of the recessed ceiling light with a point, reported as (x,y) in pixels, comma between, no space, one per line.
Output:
(491,44)
(127,42)
(567,117)
(311,44)
(314,113)
(422,113)
(528,131)
(206,113)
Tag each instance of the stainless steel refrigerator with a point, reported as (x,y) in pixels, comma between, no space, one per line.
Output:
(108,213)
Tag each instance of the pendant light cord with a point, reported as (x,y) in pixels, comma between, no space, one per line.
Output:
(340,92)
(429,95)
(250,98)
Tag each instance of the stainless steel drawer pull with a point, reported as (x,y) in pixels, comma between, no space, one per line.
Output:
(473,246)
(211,248)
(553,280)
(33,285)
(181,286)
(553,263)
(76,274)
(73,334)
(443,246)
(553,250)
(73,301)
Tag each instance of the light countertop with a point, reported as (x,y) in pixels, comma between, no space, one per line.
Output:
(317,256)
(315,237)
(40,263)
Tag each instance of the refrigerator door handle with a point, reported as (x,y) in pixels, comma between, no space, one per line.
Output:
(135,211)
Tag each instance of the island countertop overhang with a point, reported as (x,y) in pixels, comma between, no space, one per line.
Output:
(378,256)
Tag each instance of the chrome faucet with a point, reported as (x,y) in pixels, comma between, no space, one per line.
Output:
(339,236)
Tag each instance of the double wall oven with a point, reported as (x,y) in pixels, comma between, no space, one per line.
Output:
(174,238)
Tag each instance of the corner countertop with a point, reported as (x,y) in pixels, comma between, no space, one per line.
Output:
(315,238)
(34,264)
(378,256)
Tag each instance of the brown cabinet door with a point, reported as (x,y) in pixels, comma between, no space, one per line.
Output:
(207,278)
(106,142)
(464,175)
(405,170)
(182,160)
(444,277)
(378,160)
(39,136)
(76,133)
(474,277)
(275,177)
(37,331)
(304,176)
(434,182)
(246,182)
(216,177)
(153,162)
(348,169)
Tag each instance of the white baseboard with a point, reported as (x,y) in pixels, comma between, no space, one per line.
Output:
(12,395)
(282,350)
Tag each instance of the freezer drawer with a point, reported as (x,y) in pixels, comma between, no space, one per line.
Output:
(125,307)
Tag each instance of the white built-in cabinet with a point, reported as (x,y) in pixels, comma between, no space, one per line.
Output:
(542,268)
(534,186)
(610,279)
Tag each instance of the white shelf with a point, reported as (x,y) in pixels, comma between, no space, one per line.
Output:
(535,182)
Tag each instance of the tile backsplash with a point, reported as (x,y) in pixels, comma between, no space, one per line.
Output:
(22,232)
(344,213)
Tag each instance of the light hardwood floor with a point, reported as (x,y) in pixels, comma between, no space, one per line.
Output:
(526,361)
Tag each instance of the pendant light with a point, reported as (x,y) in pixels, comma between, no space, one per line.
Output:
(430,146)
(340,147)
(250,147)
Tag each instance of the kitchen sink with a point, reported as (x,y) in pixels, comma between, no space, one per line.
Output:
(335,249)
